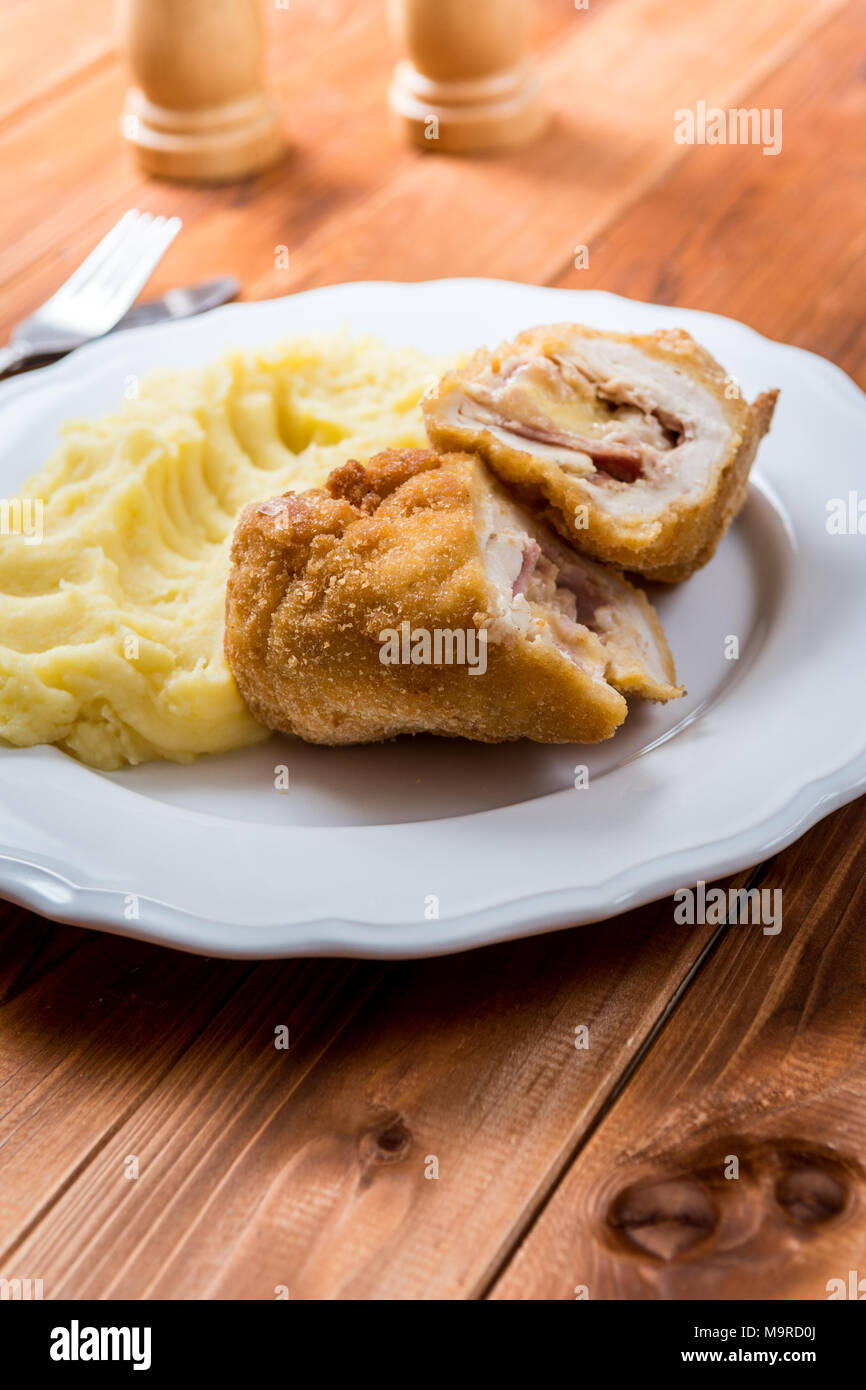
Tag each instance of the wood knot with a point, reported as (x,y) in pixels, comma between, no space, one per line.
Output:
(665,1217)
(810,1195)
(385,1143)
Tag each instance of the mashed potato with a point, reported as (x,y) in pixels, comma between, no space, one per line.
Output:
(111,627)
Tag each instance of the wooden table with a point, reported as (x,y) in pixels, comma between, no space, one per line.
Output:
(310,1170)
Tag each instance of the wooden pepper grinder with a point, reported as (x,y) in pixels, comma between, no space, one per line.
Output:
(199,109)
(467,84)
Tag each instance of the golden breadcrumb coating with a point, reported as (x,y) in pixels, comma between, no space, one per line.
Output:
(638,445)
(403,545)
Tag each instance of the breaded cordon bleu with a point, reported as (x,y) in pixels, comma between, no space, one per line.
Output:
(413,595)
(637,446)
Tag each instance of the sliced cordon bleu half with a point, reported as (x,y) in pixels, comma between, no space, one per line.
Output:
(412,595)
(637,447)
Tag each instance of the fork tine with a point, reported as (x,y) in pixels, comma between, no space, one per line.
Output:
(131,274)
(100,253)
(130,254)
(125,254)
(103,287)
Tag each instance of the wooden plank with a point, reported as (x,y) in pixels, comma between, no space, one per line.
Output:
(258,1170)
(763,1062)
(253,1177)
(779,242)
(46,47)
(70,190)
(613,84)
(725,233)
(615,76)
(87,1026)
(90,1025)
(82,1091)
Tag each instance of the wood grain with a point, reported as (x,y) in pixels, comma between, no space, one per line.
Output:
(352,203)
(778,242)
(72,176)
(87,1027)
(764,1062)
(306,1168)
(256,1175)
(87,1034)
(613,83)
(33,70)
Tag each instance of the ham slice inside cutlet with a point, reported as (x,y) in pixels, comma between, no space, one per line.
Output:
(604,411)
(550,593)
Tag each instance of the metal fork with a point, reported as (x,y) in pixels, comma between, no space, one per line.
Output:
(98,293)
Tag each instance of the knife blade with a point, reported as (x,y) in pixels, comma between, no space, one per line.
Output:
(180,303)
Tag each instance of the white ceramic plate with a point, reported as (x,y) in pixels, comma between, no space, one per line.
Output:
(351,859)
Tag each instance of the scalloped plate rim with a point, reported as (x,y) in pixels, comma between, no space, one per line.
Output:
(35,885)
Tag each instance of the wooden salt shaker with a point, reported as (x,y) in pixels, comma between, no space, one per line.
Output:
(199,110)
(467,83)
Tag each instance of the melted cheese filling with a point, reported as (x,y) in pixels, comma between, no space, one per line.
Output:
(637,430)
